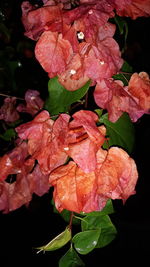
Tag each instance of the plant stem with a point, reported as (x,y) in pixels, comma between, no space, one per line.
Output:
(71,218)
(11,96)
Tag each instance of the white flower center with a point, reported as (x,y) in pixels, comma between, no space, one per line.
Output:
(66,148)
(73,72)
(80,35)
(102,62)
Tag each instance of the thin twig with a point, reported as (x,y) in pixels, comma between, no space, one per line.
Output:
(71,218)
(4,95)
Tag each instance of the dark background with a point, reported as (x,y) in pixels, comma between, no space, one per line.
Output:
(31,226)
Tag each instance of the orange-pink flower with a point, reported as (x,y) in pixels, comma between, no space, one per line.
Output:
(115,177)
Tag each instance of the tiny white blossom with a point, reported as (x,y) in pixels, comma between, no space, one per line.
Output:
(102,62)
(73,72)
(66,148)
(80,35)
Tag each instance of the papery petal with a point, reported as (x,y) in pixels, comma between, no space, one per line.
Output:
(3,196)
(87,119)
(91,22)
(139,87)
(84,154)
(64,180)
(6,167)
(73,77)
(11,163)
(52,153)
(34,131)
(84,139)
(53,52)
(106,30)
(19,193)
(117,176)
(103,60)
(13,196)
(35,20)
(46,140)
(8,110)
(73,189)
(38,182)
(111,95)
(33,102)
(135,9)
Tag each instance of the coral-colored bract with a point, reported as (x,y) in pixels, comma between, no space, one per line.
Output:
(115,177)
(116,98)
(85,183)
(79,45)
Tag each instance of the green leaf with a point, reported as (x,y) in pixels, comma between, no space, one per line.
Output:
(65,214)
(8,135)
(120,133)
(15,123)
(86,241)
(60,99)
(122,77)
(126,67)
(95,222)
(120,23)
(108,232)
(125,75)
(99,112)
(71,259)
(58,242)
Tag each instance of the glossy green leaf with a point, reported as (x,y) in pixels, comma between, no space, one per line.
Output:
(71,259)
(58,242)
(126,67)
(107,236)
(99,112)
(8,135)
(108,230)
(60,99)
(120,133)
(91,222)
(86,241)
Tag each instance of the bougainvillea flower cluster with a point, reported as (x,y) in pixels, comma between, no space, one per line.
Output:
(77,45)
(91,176)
